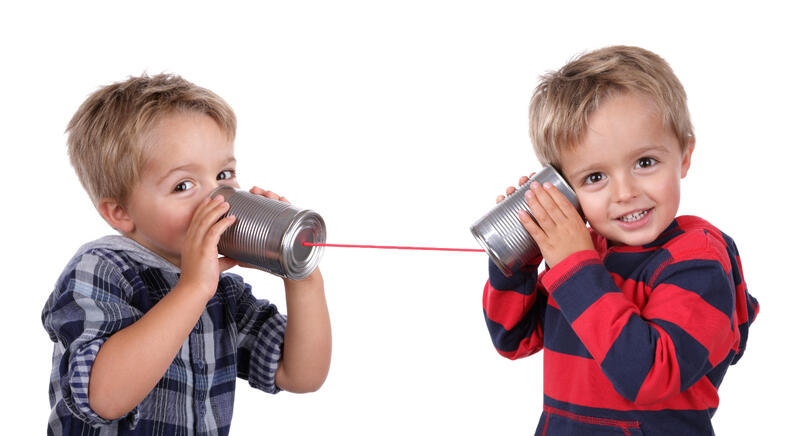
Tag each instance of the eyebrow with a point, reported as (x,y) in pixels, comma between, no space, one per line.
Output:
(186,167)
(649,148)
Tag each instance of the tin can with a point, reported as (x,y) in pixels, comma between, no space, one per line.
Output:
(501,233)
(269,234)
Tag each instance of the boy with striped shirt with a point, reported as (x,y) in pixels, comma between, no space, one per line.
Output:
(641,314)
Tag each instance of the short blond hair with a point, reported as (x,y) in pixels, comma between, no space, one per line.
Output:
(106,134)
(563,100)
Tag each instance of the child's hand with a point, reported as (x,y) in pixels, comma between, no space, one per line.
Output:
(561,231)
(200,264)
(269,194)
(522,181)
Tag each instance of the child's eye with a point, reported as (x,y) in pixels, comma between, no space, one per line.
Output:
(593,178)
(183,186)
(226,174)
(645,162)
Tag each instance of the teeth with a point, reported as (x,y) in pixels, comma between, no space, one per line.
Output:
(633,217)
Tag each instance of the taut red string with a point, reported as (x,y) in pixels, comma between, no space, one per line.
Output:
(391,247)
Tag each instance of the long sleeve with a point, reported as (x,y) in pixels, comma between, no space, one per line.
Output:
(514,310)
(687,326)
(260,338)
(108,286)
(88,306)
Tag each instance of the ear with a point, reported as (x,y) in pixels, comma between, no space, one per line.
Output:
(686,163)
(115,215)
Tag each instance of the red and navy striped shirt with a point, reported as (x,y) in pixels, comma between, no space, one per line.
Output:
(637,339)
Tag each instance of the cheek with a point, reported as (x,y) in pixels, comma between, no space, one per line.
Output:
(175,222)
(667,191)
(594,208)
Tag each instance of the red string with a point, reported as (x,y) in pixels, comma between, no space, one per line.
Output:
(390,247)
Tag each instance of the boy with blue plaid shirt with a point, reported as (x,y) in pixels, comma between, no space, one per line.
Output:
(149,333)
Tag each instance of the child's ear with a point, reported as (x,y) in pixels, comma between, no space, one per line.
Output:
(115,215)
(686,163)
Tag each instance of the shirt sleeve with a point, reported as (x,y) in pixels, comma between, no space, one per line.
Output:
(87,307)
(260,340)
(686,328)
(514,308)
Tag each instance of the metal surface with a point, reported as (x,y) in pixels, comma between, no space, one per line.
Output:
(269,234)
(501,233)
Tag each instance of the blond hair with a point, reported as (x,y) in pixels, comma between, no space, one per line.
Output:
(106,134)
(564,99)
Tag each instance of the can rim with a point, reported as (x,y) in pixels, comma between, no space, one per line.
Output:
(298,270)
(217,190)
(490,253)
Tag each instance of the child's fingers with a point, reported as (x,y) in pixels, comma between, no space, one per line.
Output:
(264,193)
(274,196)
(549,204)
(258,191)
(201,211)
(536,232)
(564,204)
(510,190)
(500,198)
(522,181)
(209,214)
(217,229)
(539,209)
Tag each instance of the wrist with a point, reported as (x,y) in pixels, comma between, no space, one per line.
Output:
(567,267)
(186,288)
(313,280)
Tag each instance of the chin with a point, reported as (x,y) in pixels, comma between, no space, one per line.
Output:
(636,240)
(639,240)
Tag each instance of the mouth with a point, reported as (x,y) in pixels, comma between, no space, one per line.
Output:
(634,216)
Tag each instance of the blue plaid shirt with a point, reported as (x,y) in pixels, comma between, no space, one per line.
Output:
(109,285)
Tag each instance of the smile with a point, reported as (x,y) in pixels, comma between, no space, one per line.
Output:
(636,216)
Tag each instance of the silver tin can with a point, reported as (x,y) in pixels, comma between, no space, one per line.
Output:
(501,233)
(269,234)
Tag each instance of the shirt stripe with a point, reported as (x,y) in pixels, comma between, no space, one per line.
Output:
(630,329)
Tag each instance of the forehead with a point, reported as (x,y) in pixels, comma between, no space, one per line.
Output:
(624,124)
(183,138)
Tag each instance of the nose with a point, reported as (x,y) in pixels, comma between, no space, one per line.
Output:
(624,188)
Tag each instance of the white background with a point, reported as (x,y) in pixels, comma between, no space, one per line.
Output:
(399,122)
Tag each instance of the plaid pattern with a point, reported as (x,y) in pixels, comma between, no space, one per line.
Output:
(109,285)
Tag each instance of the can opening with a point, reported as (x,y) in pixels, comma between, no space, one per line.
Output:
(302,252)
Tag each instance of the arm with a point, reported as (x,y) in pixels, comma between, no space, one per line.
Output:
(306,354)
(307,341)
(131,362)
(514,306)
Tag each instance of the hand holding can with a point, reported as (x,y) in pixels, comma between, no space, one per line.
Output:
(500,231)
